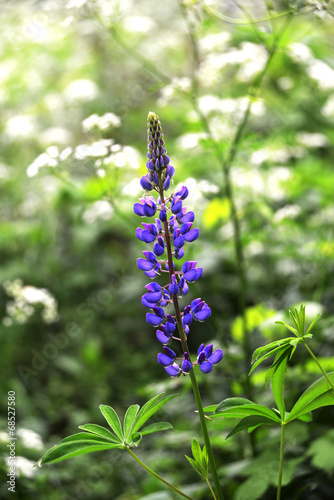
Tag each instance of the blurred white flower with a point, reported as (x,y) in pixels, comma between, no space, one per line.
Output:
(20,127)
(322,74)
(215,41)
(140,24)
(30,439)
(24,298)
(299,52)
(328,108)
(81,90)
(132,188)
(100,209)
(43,160)
(176,86)
(24,467)
(287,212)
(55,135)
(312,140)
(98,148)
(101,122)
(191,140)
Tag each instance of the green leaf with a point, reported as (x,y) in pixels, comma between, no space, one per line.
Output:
(149,408)
(280,357)
(210,408)
(293,330)
(248,422)
(77,444)
(100,431)
(306,417)
(248,410)
(195,465)
(231,402)
(129,420)
(156,427)
(315,390)
(312,324)
(200,460)
(277,384)
(112,418)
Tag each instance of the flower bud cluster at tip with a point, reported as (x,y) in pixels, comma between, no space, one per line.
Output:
(173,215)
(159,171)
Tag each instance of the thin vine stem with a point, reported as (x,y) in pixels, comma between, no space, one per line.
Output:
(146,467)
(281,461)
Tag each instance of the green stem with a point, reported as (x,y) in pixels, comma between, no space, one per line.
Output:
(212,492)
(185,348)
(330,383)
(157,475)
(281,459)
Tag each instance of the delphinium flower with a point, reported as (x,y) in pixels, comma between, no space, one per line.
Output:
(170,233)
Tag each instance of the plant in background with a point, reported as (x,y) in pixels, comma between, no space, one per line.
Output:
(172,229)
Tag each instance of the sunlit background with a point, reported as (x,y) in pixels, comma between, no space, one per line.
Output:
(77,79)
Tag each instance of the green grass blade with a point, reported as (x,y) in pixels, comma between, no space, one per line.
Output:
(112,418)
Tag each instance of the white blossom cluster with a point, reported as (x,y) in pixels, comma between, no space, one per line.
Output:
(24,300)
(104,122)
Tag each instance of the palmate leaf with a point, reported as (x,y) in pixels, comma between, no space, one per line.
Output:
(96,437)
(77,444)
(317,395)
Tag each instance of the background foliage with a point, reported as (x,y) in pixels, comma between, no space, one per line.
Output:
(73,332)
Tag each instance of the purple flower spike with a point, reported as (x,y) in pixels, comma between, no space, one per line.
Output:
(167,358)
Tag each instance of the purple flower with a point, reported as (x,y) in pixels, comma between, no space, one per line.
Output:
(206,358)
(173,287)
(200,310)
(155,318)
(163,336)
(186,364)
(148,234)
(190,273)
(166,358)
(146,207)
